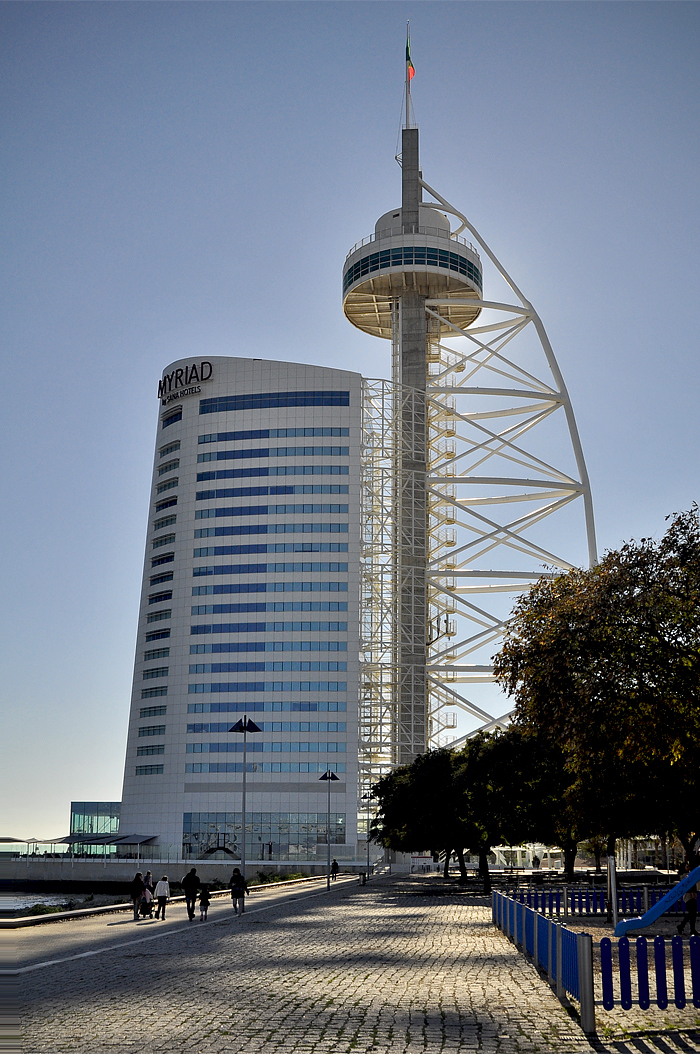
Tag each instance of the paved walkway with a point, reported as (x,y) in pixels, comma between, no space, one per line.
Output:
(383,968)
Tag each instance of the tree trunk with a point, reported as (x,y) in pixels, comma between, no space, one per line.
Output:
(596,853)
(611,845)
(689,843)
(446,869)
(463,876)
(484,869)
(570,849)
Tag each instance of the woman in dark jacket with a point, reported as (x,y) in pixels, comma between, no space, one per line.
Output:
(136,892)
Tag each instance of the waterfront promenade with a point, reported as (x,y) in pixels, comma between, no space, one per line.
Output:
(389,967)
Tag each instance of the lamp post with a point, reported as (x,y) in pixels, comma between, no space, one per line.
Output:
(330,777)
(245,726)
(368,798)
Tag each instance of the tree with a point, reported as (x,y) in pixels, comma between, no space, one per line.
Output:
(606,663)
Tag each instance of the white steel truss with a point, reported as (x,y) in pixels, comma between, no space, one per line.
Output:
(491,484)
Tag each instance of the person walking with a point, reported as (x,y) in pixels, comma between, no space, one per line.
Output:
(162,895)
(690,911)
(136,889)
(334,869)
(190,884)
(239,888)
(204,902)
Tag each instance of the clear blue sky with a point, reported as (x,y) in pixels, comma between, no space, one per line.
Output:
(185,179)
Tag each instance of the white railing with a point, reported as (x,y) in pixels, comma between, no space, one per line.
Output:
(431,232)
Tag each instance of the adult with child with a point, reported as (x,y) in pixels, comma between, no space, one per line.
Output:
(162,895)
(190,885)
(239,888)
(136,889)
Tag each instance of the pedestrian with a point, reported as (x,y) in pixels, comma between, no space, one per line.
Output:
(162,894)
(146,907)
(136,889)
(239,888)
(190,884)
(204,902)
(690,911)
(334,869)
(148,881)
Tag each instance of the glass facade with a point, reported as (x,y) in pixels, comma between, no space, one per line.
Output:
(94,817)
(269,835)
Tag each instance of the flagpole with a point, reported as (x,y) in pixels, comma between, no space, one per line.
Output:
(408,79)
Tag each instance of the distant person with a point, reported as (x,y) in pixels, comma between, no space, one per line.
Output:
(162,895)
(239,888)
(204,902)
(190,884)
(146,907)
(690,908)
(536,862)
(334,870)
(148,881)
(136,889)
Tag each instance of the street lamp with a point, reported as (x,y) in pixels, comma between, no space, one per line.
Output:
(368,798)
(330,777)
(245,726)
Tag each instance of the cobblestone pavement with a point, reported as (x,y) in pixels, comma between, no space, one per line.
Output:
(384,968)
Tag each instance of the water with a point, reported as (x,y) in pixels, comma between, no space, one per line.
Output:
(24,901)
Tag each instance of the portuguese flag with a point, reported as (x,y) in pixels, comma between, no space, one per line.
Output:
(409,65)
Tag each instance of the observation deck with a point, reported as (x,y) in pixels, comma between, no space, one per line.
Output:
(426,260)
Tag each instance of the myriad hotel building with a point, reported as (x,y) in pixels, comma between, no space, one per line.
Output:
(249,606)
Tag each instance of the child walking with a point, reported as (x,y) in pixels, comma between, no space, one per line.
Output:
(204,902)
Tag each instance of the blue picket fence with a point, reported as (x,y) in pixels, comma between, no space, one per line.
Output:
(636,982)
(591,900)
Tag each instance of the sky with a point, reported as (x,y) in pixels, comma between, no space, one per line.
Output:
(186,179)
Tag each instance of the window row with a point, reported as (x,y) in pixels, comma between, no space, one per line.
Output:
(328,706)
(273,451)
(159,598)
(158,616)
(165,539)
(275,489)
(153,693)
(255,747)
(271,433)
(270,547)
(167,504)
(261,766)
(153,711)
(157,580)
(267,686)
(155,672)
(149,770)
(276,568)
(270,627)
(272,726)
(169,448)
(270,587)
(162,558)
(169,466)
(412,256)
(277,605)
(271,400)
(291,666)
(172,419)
(168,484)
(155,748)
(156,653)
(159,634)
(267,646)
(234,530)
(271,510)
(151,730)
(261,471)
(166,521)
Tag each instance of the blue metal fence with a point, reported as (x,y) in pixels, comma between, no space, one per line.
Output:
(641,981)
(591,900)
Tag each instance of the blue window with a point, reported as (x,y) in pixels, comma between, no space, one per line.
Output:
(277,605)
(272,726)
(271,433)
(306,509)
(327,706)
(156,653)
(273,528)
(153,693)
(159,634)
(164,522)
(269,400)
(218,688)
(271,747)
(271,547)
(172,418)
(270,587)
(158,616)
(272,645)
(167,504)
(169,466)
(158,598)
(170,448)
(150,770)
(155,748)
(166,576)
(162,558)
(156,672)
(153,711)
(165,539)
(151,730)
(168,484)
(260,766)
(305,566)
(296,666)
(275,451)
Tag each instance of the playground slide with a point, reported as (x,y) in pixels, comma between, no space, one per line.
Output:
(660,907)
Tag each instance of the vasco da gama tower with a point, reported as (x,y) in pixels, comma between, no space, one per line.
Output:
(336,557)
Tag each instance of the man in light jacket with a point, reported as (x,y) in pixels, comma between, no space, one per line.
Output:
(162,895)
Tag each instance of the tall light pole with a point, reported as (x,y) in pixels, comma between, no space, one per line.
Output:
(330,777)
(369,799)
(245,726)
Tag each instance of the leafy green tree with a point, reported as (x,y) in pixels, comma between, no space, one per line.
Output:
(606,663)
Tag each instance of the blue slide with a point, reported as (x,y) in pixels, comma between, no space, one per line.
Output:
(660,907)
